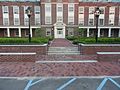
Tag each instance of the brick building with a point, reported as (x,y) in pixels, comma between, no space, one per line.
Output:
(59,18)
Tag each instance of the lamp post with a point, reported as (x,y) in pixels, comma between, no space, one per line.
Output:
(97,14)
(29,12)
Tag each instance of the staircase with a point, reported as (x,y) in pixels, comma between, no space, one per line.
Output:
(62,47)
(63,51)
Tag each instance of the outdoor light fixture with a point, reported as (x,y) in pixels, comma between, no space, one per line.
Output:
(97,14)
(29,13)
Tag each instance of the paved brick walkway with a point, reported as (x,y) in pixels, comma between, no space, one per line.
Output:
(23,69)
(59,69)
(61,43)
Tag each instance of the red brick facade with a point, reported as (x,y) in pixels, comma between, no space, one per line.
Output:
(65,12)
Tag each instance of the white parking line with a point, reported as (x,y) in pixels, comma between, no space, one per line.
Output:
(80,61)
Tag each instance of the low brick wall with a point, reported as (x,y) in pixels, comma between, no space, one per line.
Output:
(17,57)
(108,56)
(91,49)
(39,49)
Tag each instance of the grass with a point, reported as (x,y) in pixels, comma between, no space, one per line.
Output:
(91,40)
(35,40)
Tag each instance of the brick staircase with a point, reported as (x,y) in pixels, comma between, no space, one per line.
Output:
(62,47)
(63,51)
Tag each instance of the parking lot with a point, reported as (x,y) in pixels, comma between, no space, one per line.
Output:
(60,83)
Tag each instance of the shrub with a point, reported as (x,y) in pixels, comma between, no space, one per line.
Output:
(39,40)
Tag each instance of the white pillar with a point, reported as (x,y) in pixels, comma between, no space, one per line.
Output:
(119,33)
(109,32)
(88,35)
(19,32)
(98,32)
(8,32)
(31,31)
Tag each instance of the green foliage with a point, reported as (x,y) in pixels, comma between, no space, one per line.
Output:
(39,40)
(81,32)
(38,32)
(91,40)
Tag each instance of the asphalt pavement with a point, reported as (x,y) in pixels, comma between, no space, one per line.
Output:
(60,83)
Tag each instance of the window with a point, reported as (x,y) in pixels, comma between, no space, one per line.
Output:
(16,33)
(71,1)
(48,31)
(5,9)
(26,33)
(71,7)
(47,20)
(47,0)
(47,8)
(70,31)
(91,22)
(81,10)
(112,10)
(81,21)
(101,21)
(70,20)
(59,19)
(5,21)
(37,21)
(26,22)
(16,21)
(5,32)
(111,21)
(15,9)
(37,9)
(59,0)
(91,10)
(102,10)
(59,8)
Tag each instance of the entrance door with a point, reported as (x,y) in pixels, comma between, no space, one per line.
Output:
(60,33)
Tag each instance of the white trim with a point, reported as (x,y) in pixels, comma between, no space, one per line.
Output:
(19,27)
(59,77)
(108,52)
(70,61)
(109,32)
(19,32)
(119,33)
(88,31)
(22,45)
(98,32)
(8,32)
(31,32)
(17,53)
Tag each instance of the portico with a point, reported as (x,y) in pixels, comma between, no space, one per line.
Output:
(59,30)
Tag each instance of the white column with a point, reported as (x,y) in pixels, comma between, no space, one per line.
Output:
(98,32)
(64,32)
(8,32)
(88,32)
(31,31)
(109,32)
(19,32)
(119,33)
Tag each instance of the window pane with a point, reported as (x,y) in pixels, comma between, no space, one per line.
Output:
(37,10)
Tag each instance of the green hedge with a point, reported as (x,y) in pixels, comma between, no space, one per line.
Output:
(90,40)
(39,40)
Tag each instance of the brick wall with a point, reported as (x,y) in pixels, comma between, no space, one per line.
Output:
(92,49)
(108,57)
(39,49)
(17,58)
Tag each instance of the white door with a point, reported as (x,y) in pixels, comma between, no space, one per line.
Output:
(59,33)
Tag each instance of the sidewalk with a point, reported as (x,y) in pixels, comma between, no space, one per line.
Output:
(74,68)
(61,43)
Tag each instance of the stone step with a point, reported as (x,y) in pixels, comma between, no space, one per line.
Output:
(63,48)
(61,53)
